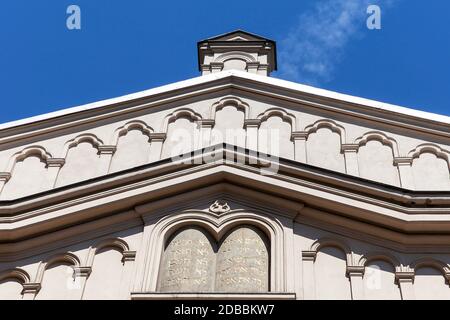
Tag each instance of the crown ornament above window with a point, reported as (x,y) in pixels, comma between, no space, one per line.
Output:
(220,206)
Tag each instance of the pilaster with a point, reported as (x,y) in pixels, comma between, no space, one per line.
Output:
(156,145)
(309,286)
(106,153)
(404,165)
(351,158)
(356,274)
(405,280)
(4,178)
(299,138)
(54,165)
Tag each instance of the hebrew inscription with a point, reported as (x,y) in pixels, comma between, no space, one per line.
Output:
(192,262)
(188,264)
(243,262)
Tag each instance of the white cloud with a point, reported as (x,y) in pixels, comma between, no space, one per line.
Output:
(311,50)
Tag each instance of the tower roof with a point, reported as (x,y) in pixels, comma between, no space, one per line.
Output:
(258,52)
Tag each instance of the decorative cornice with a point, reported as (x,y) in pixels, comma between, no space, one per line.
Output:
(128,256)
(349,147)
(158,137)
(206,123)
(403,161)
(56,162)
(107,150)
(309,255)
(252,123)
(253,65)
(32,288)
(82,271)
(355,271)
(5,176)
(216,66)
(220,206)
(299,135)
(404,276)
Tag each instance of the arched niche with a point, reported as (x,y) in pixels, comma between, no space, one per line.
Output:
(58,282)
(376,161)
(379,280)
(30,176)
(430,283)
(183,134)
(234,64)
(324,149)
(82,160)
(330,269)
(431,171)
(229,125)
(275,133)
(10,289)
(188,263)
(11,284)
(133,150)
(57,277)
(243,261)
(193,261)
(105,278)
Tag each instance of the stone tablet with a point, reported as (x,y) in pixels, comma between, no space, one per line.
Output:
(188,263)
(243,262)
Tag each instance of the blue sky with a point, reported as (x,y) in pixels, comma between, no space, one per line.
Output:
(123,47)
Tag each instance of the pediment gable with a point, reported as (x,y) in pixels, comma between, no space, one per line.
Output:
(237,35)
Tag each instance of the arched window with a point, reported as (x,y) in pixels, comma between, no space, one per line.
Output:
(194,262)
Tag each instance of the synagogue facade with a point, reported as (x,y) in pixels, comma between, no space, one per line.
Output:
(231,185)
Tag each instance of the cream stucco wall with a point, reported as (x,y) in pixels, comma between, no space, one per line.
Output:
(370,150)
(317,262)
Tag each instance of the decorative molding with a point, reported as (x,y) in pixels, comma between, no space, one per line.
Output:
(5,176)
(158,137)
(107,150)
(309,255)
(430,148)
(116,243)
(38,151)
(66,257)
(230,101)
(379,256)
(355,271)
(206,123)
(129,126)
(56,162)
(128,256)
(217,226)
(220,206)
(83,272)
(349,147)
(31,288)
(181,112)
(232,55)
(404,276)
(335,243)
(252,123)
(15,273)
(212,296)
(85,137)
(273,112)
(381,137)
(299,135)
(403,161)
(330,124)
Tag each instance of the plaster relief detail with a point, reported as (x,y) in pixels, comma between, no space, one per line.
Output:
(188,263)
(220,206)
(193,263)
(243,262)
